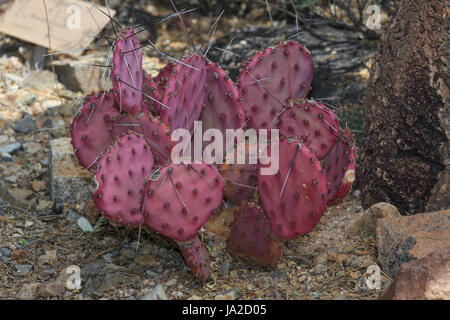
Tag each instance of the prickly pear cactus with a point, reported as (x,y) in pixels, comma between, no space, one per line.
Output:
(340,166)
(127,73)
(182,199)
(295,198)
(251,237)
(222,106)
(124,138)
(92,127)
(311,122)
(118,185)
(273,77)
(196,257)
(183,92)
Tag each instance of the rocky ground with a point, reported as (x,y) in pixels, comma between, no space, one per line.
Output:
(40,238)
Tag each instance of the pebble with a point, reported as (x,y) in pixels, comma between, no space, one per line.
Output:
(157,293)
(23,268)
(38,186)
(232,294)
(25,125)
(51,289)
(6,157)
(28,291)
(13,178)
(5,252)
(31,147)
(314,295)
(225,268)
(11,148)
(4,140)
(321,258)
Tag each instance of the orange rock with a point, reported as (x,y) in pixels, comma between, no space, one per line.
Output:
(423,279)
(405,238)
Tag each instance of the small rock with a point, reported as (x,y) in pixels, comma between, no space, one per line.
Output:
(23,268)
(12,178)
(356,194)
(11,148)
(319,269)
(146,260)
(4,140)
(367,223)
(5,252)
(78,75)
(314,295)
(29,224)
(157,293)
(405,238)
(32,147)
(29,291)
(338,257)
(26,125)
(38,186)
(42,80)
(51,289)
(114,280)
(50,257)
(225,268)
(69,182)
(320,258)
(21,195)
(355,261)
(427,278)
(232,294)
(21,97)
(44,161)
(6,157)
(171,282)
(107,257)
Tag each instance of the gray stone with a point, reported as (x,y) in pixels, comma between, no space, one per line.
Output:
(157,293)
(225,268)
(26,125)
(69,181)
(23,268)
(4,140)
(51,289)
(6,157)
(79,75)
(29,291)
(5,252)
(31,147)
(11,148)
(314,295)
(44,161)
(42,80)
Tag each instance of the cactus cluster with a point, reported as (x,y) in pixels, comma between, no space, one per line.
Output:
(124,138)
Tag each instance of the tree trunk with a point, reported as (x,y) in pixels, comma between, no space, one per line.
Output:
(406,152)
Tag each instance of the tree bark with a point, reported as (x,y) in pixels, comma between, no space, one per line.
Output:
(406,152)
